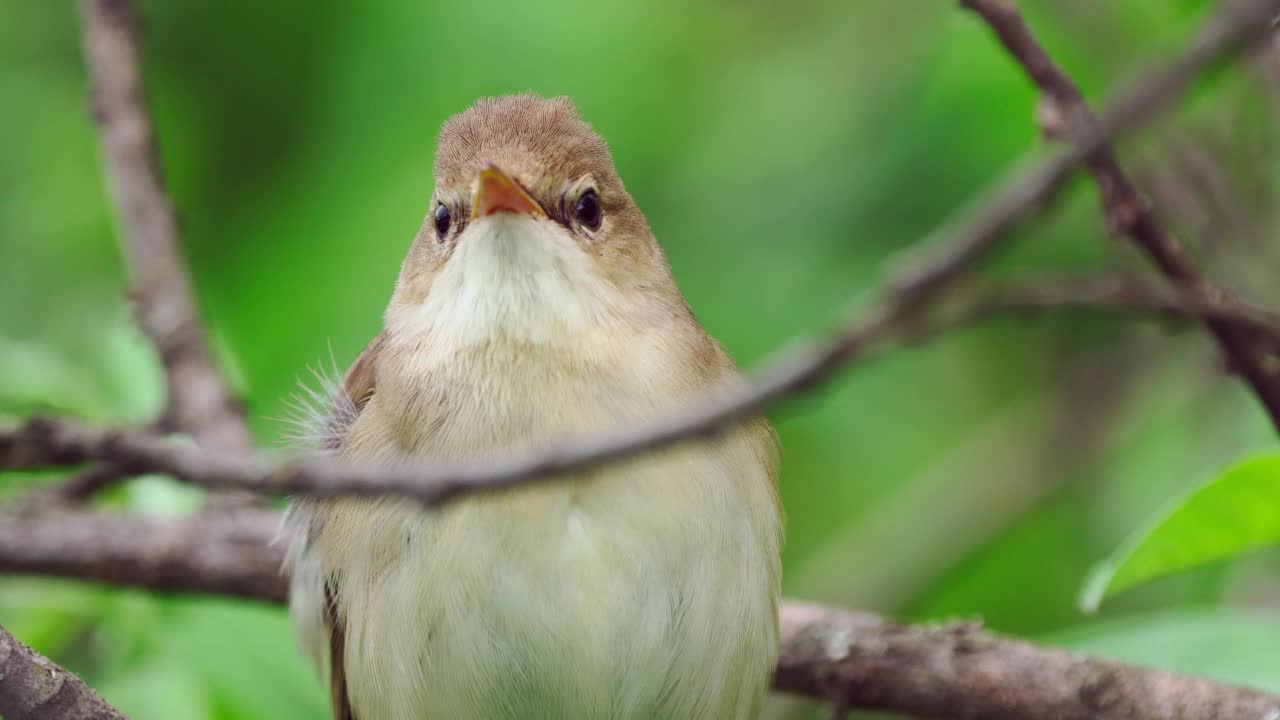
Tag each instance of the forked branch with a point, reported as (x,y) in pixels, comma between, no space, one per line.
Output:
(1124,208)
(199,401)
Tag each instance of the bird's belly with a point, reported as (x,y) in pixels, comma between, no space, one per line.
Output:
(594,599)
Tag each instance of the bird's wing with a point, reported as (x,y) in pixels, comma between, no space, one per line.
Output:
(338,699)
(358,385)
(354,393)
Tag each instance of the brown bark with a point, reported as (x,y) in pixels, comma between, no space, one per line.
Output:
(955,670)
(199,402)
(34,688)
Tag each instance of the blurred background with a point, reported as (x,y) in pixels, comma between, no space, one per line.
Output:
(782,157)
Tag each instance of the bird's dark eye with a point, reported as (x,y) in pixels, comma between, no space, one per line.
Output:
(442,217)
(587,210)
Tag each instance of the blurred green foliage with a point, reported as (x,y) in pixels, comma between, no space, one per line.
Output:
(782,156)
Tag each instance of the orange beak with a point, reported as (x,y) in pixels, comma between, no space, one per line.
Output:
(497,192)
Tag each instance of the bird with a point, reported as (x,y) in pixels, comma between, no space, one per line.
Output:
(534,304)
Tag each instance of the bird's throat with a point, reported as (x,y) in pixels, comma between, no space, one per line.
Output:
(510,278)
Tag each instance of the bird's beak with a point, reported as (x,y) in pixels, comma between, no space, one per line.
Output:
(497,192)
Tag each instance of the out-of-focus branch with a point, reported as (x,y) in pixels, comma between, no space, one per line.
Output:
(1125,209)
(862,660)
(1114,295)
(199,402)
(40,443)
(220,553)
(86,483)
(34,688)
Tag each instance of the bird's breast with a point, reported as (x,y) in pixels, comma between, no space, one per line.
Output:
(642,589)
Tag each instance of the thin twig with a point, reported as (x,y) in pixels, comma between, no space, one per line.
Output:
(953,670)
(89,482)
(32,687)
(1125,209)
(1113,295)
(199,402)
(40,442)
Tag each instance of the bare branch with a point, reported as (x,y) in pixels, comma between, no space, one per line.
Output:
(88,482)
(220,553)
(199,402)
(959,670)
(1125,209)
(34,688)
(43,442)
(853,659)
(1117,295)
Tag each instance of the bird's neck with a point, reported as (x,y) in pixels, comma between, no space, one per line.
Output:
(511,281)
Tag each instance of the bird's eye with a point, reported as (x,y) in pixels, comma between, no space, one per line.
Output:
(442,218)
(587,210)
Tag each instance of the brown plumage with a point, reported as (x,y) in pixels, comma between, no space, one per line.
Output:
(338,700)
(546,133)
(643,589)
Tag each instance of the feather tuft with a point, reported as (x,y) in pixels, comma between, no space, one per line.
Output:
(319,414)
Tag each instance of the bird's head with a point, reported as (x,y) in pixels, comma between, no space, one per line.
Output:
(530,233)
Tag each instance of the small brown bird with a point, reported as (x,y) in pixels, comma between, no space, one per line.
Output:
(534,304)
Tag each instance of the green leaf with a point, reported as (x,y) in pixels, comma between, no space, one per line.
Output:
(1234,513)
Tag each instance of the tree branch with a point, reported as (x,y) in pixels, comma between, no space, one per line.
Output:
(199,402)
(1116,295)
(958,670)
(86,483)
(219,553)
(34,688)
(954,670)
(1124,208)
(41,442)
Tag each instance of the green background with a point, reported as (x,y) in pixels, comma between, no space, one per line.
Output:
(783,155)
